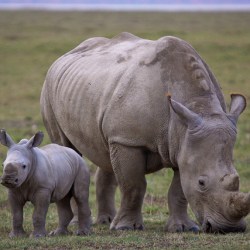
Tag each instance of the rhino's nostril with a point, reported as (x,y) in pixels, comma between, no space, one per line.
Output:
(208,227)
(16,180)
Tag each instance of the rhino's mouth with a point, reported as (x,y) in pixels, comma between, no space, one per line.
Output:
(9,181)
(210,226)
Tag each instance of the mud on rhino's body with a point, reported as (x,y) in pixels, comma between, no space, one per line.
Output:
(107,99)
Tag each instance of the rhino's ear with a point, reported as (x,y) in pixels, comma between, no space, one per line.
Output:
(190,118)
(5,139)
(237,106)
(36,140)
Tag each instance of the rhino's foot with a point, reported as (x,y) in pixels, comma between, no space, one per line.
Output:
(104,219)
(59,231)
(178,225)
(15,234)
(83,232)
(127,223)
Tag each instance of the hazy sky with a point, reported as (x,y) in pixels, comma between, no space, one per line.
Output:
(128,1)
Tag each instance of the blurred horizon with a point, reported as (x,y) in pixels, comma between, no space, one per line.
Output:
(219,2)
(128,5)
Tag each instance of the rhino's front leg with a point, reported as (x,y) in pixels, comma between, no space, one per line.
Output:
(105,195)
(41,203)
(178,218)
(129,167)
(17,216)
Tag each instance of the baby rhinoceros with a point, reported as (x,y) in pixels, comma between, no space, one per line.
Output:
(44,175)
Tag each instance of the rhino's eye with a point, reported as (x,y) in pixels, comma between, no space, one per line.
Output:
(203,181)
(24,166)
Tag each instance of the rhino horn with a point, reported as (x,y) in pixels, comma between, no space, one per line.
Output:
(231,182)
(239,204)
(190,118)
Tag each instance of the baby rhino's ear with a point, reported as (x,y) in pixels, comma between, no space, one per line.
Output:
(36,140)
(5,139)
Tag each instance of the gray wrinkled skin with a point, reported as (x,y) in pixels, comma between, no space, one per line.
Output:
(107,98)
(43,175)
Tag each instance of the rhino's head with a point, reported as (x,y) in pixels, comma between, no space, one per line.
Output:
(18,162)
(205,158)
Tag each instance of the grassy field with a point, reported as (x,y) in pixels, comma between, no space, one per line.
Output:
(31,41)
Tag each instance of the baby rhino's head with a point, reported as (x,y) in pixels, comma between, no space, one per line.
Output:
(18,162)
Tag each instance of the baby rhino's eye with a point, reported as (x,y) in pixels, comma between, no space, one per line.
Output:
(24,166)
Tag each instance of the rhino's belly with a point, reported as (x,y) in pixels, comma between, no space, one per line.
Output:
(95,151)
(86,138)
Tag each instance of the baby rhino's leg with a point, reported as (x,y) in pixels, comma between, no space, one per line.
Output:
(41,203)
(17,215)
(74,208)
(65,215)
(81,195)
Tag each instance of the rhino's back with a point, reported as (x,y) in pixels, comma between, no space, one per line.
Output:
(93,89)
(113,90)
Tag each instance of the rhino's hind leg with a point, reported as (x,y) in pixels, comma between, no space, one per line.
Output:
(81,196)
(178,220)
(129,165)
(105,195)
(65,215)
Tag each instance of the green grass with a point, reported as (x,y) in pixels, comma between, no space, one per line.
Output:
(31,41)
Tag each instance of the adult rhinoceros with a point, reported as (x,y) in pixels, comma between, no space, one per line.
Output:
(107,99)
